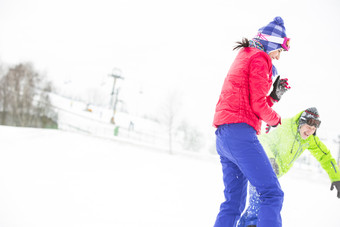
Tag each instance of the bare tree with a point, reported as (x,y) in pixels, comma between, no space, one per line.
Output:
(24,97)
(170,112)
(191,137)
(4,95)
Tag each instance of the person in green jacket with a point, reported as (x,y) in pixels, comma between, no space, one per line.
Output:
(283,146)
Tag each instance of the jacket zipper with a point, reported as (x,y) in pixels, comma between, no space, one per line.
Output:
(334,167)
(298,151)
(291,151)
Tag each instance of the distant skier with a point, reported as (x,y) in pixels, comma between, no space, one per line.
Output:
(283,146)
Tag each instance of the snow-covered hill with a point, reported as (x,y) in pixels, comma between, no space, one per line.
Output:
(55,178)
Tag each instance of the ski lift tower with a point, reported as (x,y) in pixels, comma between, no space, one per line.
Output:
(116,74)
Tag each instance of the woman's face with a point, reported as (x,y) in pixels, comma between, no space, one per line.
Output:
(306,130)
(275,54)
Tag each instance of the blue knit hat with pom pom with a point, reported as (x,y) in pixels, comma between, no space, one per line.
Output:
(274,28)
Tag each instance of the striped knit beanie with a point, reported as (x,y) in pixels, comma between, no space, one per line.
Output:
(274,28)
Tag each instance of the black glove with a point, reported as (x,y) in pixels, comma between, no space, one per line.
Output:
(268,127)
(280,86)
(336,184)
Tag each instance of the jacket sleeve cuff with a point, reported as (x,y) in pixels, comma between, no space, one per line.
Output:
(270,101)
(279,123)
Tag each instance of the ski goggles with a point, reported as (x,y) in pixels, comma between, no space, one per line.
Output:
(285,42)
(313,122)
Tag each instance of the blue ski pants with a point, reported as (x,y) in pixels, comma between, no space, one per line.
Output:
(243,159)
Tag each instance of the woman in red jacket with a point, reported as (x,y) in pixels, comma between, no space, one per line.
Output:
(242,106)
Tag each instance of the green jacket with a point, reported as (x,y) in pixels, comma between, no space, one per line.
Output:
(285,145)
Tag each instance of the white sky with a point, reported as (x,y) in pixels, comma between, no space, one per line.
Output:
(182,46)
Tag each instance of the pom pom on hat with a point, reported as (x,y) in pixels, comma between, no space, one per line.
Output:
(279,21)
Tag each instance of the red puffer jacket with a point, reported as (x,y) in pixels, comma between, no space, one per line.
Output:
(244,93)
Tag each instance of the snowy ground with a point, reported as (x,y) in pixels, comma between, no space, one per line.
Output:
(55,178)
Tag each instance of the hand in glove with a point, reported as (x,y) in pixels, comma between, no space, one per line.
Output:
(268,127)
(280,86)
(336,184)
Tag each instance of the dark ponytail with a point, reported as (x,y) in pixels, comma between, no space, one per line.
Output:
(244,43)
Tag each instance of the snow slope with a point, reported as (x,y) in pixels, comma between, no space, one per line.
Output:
(56,178)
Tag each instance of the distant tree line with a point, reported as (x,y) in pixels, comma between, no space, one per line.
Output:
(179,131)
(24,98)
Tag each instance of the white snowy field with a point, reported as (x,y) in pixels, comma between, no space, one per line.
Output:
(56,178)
